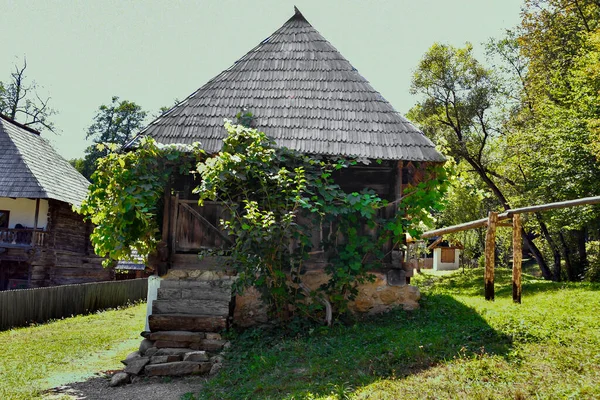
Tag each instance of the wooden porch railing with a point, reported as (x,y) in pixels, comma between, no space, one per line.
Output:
(22,237)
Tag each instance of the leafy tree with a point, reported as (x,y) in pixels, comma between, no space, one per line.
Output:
(116,123)
(22,102)
(123,199)
(556,131)
(460,96)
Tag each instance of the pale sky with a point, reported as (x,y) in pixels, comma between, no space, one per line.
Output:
(82,53)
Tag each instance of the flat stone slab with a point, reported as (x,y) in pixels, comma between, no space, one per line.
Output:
(161,344)
(178,336)
(209,345)
(178,368)
(136,366)
(172,352)
(199,356)
(181,322)
(164,359)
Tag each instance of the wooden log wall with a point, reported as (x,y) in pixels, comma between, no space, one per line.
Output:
(69,247)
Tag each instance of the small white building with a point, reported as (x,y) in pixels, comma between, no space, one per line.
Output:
(446,255)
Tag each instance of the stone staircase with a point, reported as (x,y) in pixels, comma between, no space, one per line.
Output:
(191,309)
(196,305)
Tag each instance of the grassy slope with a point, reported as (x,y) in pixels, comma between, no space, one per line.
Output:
(44,356)
(456,346)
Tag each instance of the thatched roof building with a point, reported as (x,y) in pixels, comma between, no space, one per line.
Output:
(304,94)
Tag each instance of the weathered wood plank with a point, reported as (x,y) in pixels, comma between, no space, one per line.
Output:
(490,249)
(193,261)
(517,258)
(218,294)
(191,307)
(202,285)
(182,322)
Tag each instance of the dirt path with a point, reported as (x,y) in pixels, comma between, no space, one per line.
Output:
(155,388)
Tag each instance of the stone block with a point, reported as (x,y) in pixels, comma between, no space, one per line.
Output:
(396,277)
(131,356)
(173,352)
(213,336)
(135,366)
(178,336)
(164,359)
(145,345)
(161,344)
(215,369)
(150,352)
(199,356)
(118,379)
(178,368)
(209,345)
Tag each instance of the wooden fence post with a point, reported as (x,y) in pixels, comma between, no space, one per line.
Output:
(517,258)
(490,249)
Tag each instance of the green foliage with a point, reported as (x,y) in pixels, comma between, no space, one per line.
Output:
(456,346)
(116,123)
(274,196)
(122,202)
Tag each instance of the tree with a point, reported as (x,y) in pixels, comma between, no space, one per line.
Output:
(22,102)
(555,134)
(116,123)
(460,96)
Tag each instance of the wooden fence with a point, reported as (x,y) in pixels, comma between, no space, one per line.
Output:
(22,307)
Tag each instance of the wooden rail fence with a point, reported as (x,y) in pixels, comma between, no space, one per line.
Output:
(492,222)
(22,307)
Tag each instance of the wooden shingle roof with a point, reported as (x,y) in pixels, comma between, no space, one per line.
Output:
(304,94)
(30,168)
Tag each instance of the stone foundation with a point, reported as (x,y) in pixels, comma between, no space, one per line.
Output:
(386,292)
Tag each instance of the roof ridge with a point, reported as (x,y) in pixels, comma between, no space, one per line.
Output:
(298,15)
(20,125)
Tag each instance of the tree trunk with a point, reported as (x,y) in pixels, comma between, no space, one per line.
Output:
(583,260)
(567,252)
(553,247)
(537,254)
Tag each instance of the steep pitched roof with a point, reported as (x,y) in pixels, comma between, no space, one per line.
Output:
(305,95)
(29,167)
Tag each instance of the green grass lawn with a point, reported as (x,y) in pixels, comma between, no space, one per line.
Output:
(456,346)
(40,357)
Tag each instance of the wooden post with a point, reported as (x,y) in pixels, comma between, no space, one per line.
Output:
(517,257)
(490,249)
(35,221)
(175,211)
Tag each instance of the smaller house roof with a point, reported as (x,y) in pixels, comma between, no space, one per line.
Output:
(31,168)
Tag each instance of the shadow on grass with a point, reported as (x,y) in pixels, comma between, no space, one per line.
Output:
(321,361)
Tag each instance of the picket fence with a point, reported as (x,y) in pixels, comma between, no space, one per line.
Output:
(23,307)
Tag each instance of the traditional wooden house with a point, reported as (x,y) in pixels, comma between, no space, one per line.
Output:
(42,241)
(303,93)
